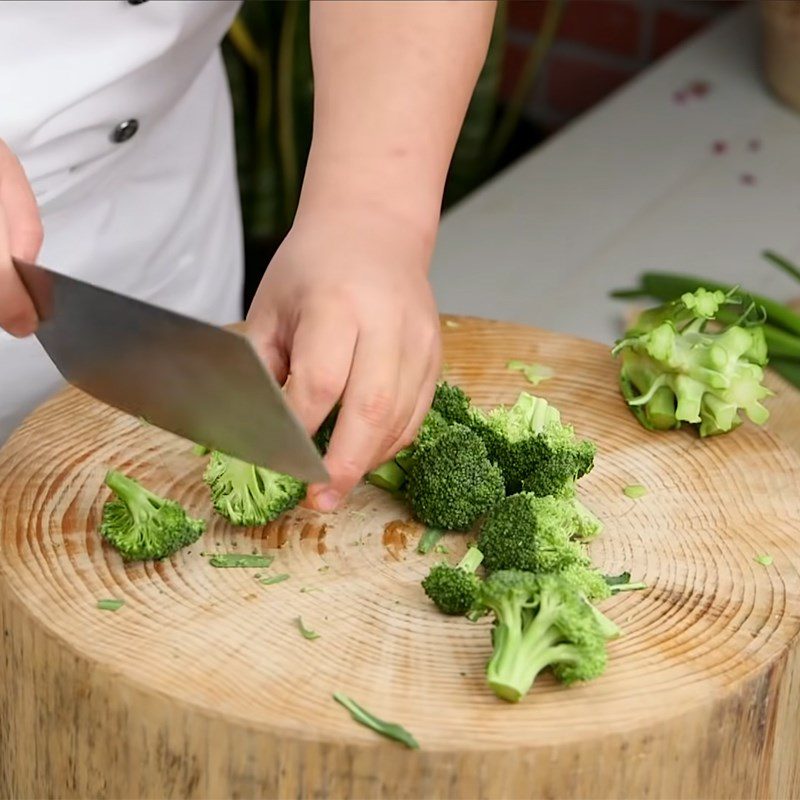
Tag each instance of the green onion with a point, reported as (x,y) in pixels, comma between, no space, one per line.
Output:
(240,560)
(389,729)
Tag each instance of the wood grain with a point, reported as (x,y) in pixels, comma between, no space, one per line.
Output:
(202,687)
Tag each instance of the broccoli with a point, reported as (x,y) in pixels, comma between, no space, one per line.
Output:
(675,370)
(540,622)
(452,403)
(532,447)
(530,533)
(248,495)
(454,589)
(452,482)
(388,476)
(587,524)
(141,525)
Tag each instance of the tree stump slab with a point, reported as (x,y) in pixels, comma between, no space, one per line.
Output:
(201,686)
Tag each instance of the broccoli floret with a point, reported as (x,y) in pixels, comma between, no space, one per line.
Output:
(141,525)
(540,622)
(532,447)
(674,370)
(587,524)
(530,533)
(454,589)
(452,482)
(248,495)
(452,403)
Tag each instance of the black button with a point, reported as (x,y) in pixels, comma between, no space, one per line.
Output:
(124,130)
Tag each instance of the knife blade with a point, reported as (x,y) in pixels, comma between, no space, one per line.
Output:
(193,379)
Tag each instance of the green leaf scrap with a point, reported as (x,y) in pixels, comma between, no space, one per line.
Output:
(764,560)
(389,729)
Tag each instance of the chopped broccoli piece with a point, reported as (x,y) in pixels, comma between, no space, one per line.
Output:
(452,403)
(429,540)
(634,491)
(452,482)
(675,370)
(534,373)
(532,447)
(764,560)
(248,495)
(540,622)
(530,533)
(388,476)
(587,524)
(141,525)
(454,589)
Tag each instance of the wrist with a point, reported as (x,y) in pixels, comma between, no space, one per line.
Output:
(374,197)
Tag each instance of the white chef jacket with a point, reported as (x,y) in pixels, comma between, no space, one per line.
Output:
(120,113)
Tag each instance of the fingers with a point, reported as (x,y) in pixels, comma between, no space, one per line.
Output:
(266,341)
(369,419)
(320,362)
(419,406)
(20,236)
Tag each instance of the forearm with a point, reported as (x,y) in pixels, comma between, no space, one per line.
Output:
(392,84)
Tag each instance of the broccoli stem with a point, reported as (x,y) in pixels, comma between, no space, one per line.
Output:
(387,476)
(471,561)
(429,540)
(522,652)
(134,495)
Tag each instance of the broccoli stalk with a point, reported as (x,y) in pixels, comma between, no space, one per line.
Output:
(142,525)
(388,476)
(454,589)
(540,622)
(249,495)
(674,370)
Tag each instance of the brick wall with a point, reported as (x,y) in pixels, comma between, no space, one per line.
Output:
(599,46)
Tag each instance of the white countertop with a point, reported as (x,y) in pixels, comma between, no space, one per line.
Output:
(635,185)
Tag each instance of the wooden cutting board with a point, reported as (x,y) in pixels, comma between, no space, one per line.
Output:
(201,685)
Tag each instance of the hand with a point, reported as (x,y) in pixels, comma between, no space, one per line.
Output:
(345,311)
(20,236)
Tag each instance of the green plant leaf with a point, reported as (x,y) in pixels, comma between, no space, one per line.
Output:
(389,729)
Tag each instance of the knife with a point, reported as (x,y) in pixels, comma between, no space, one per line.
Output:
(193,379)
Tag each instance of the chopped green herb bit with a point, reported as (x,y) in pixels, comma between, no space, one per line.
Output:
(764,560)
(325,568)
(451,323)
(246,560)
(534,373)
(110,604)
(309,589)
(200,450)
(429,540)
(389,729)
(635,491)
(440,548)
(306,632)
(274,579)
